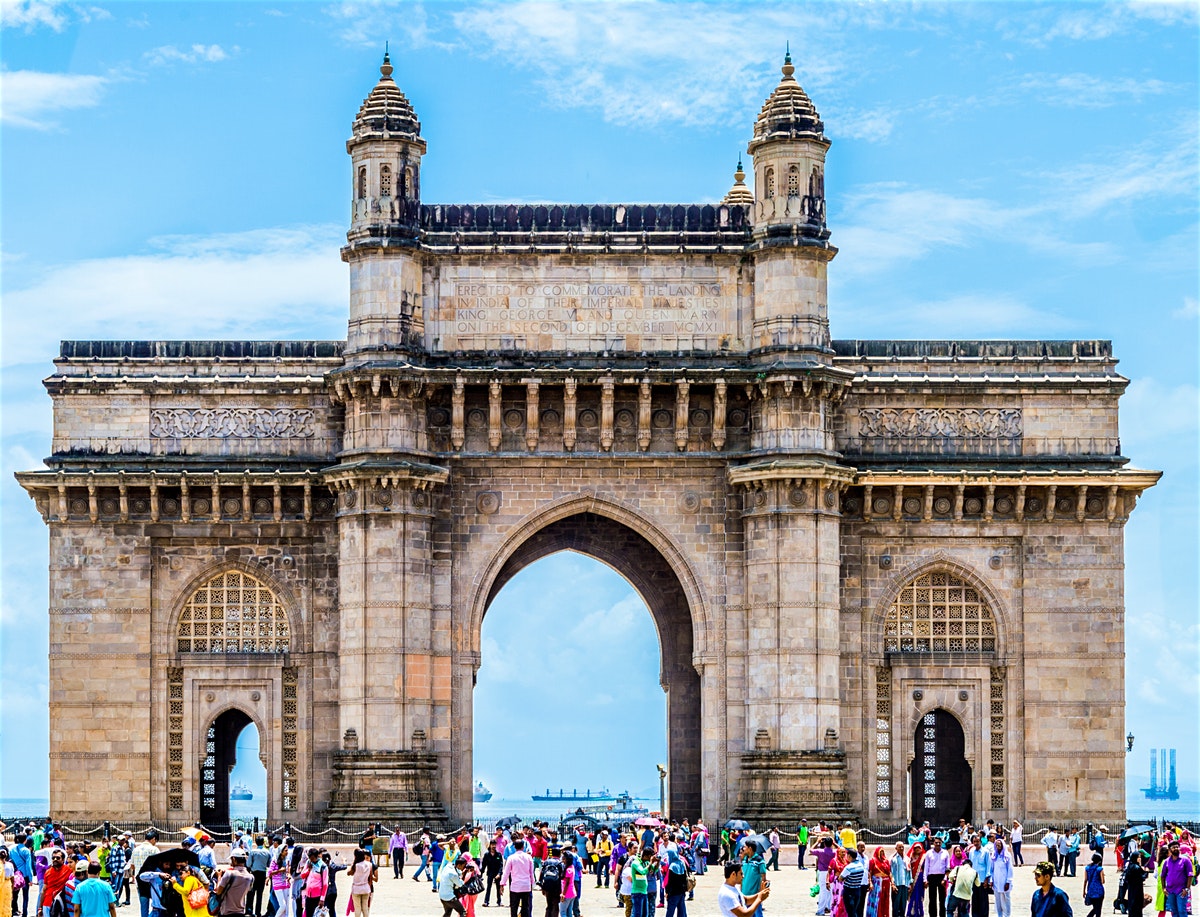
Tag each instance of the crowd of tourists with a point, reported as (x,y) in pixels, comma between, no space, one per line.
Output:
(961,871)
(650,865)
(957,872)
(264,877)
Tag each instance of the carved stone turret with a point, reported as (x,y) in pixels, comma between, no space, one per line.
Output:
(385,148)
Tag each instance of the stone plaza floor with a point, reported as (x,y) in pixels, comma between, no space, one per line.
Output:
(789,893)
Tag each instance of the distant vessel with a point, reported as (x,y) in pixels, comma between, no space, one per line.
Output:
(1161,785)
(575,796)
(482,793)
(241,792)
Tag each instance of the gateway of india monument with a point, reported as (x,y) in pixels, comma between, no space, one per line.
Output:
(887,576)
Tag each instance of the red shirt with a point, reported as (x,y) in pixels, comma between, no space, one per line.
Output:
(538,847)
(55,879)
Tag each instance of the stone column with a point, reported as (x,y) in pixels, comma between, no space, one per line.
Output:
(394,670)
(793,765)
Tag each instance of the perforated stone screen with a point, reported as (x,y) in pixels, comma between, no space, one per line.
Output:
(939,613)
(234,613)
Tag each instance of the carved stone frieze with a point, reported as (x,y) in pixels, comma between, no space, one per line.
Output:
(235,423)
(949,423)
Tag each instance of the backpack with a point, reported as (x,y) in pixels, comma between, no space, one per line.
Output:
(552,873)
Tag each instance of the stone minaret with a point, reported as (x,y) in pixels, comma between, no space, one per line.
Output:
(385,278)
(790,288)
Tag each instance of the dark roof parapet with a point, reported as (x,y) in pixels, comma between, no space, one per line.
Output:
(585,217)
(974,350)
(200,350)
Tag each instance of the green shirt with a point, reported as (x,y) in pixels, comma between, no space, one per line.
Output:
(753,871)
(802,837)
(638,870)
(475,846)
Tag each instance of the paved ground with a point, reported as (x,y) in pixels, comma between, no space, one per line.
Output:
(789,894)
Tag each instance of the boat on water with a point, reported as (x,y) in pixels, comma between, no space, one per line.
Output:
(481,792)
(241,792)
(575,796)
(621,811)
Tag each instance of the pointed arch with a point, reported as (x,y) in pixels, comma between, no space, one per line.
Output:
(234,607)
(992,611)
(485,586)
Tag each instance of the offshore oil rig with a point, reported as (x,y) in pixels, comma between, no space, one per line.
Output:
(1167,788)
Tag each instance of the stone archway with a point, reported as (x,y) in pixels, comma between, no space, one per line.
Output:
(648,571)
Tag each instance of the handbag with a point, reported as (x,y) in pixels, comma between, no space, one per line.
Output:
(473,886)
(214,901)
(19,880)
(322,911)
(197,898)
(691,882)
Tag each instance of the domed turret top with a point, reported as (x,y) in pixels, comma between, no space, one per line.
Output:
(788,112)
(386,110)
(739,193)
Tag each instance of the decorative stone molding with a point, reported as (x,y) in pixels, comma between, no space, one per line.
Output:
(235,423)
(946,423)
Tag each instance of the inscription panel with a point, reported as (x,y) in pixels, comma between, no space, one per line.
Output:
(610,308)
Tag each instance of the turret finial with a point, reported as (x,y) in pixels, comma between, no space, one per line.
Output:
(739,175)
(788,69)
(386,68)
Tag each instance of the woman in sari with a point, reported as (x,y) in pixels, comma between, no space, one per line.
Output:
(879,872)
(957,857)
(835,883)
(916,898)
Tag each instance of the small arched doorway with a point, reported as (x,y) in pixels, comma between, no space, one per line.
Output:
(220,755)
(941,776)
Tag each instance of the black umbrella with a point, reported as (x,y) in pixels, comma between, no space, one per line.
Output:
(1135,831)
(508,821)
(760,841)
(159,862)
(736,824)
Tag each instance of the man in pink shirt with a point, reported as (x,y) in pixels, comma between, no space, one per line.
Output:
(518,879)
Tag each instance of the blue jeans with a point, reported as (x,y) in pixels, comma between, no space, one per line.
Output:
(1177,904)
(145,906)
(641,905)
(424,868)
(436,866)
(676,904)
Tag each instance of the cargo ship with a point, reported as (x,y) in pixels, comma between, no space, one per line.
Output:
(240,792)
(575,796)
(481,793)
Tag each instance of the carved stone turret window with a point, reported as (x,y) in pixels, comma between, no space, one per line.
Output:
(939,613)
(769,184)
(385,181)
(362,182)
(234,613)
(793,186)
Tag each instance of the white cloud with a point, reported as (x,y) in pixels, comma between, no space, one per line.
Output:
(28,98)
(269,283)
(1189,309)
(1083,90)
(873,126)
(198,53)
(1094,21)
(1153,413)
(31,15)
(884,226)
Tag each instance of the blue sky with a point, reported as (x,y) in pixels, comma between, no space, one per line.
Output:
(998,170)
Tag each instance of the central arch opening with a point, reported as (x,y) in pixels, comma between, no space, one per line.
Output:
(649,574)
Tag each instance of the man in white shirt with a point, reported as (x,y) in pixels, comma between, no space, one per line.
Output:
(730,899)
(934,867)
(1002,878)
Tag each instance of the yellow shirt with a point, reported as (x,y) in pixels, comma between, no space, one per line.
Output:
(190,883)
(604,848)
(849,838)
